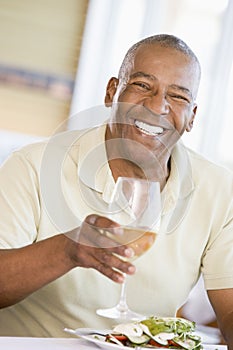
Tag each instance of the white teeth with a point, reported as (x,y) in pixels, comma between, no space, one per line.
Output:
(148,129)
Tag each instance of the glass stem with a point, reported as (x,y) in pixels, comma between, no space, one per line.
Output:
(122,305)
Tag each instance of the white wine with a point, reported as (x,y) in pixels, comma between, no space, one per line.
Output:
(141,241)
(138,239)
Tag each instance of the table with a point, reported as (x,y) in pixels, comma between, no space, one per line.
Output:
(21,343)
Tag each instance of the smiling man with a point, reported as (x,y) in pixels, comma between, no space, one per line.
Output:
(56,264)
(155,103)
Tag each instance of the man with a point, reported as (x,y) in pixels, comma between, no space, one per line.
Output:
(49,279)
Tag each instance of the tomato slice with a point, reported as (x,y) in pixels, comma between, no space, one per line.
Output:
(172,343)
(122,338)
(154,343)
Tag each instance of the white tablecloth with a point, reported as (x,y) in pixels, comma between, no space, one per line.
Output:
(15,343)
(21,343)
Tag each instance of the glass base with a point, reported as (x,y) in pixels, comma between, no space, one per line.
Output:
(118,313)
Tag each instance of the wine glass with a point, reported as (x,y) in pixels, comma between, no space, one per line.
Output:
(136,206)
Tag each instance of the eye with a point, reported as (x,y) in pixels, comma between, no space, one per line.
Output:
(141,85)
(179,97)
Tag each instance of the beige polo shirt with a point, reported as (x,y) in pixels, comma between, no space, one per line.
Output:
(50,187)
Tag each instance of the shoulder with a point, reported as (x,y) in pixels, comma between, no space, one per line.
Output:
(203,165)
(210,176)
(63,141)
(52,152)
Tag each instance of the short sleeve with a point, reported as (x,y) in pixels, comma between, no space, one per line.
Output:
(217,264)
(19,202)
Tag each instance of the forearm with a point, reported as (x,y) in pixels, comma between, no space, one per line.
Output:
(226,327)
(25,270)
(222,302)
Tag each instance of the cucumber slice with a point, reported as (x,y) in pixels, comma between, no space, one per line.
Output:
(188,344)
(139,340)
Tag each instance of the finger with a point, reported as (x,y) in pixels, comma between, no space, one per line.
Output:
(106,240)
(101,222)
(112,274)
(91,236)
(104,262)
(105,257)
(94,238)
(99,232)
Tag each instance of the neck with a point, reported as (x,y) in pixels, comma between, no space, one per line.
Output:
(155,168)
(125,168)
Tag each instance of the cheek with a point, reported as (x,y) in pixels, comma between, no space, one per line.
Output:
(180,126)
(128,94)
(182,118)
(125,97)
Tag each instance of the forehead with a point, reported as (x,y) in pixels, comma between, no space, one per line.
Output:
(165,64)
(151,54)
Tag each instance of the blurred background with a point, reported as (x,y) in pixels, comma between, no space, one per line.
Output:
(56,58)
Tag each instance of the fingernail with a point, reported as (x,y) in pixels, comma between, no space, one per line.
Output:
(92,220)
(120,279)
(129,252)
(118,230)
(131,269)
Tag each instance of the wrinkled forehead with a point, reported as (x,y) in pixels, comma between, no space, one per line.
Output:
(149,53)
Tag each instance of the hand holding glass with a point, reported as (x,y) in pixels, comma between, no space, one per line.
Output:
(136,205)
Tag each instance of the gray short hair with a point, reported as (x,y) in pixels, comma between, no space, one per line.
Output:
(164,40)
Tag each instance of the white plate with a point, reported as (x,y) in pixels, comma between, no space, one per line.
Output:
(209,335)
(101,343)
(99,340)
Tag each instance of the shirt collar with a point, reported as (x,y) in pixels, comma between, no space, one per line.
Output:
(180,182)
(178,191)
(93,169)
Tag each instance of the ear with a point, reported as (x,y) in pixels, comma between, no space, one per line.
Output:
(110,91)
(191,121)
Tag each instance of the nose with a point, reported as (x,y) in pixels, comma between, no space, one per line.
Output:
(157,103)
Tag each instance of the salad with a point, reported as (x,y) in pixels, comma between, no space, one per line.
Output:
(154,332)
